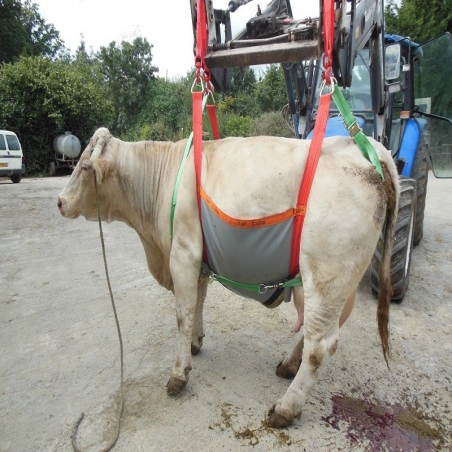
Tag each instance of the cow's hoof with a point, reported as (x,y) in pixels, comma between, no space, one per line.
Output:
(285,371)
(175,385)
(196,347)
(277,420)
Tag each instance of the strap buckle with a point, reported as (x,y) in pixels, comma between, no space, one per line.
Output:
(354,128)
(264,287)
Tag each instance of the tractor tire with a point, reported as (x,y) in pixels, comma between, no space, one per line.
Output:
(420,175)
(402,246)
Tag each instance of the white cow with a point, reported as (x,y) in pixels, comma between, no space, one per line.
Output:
(249,178)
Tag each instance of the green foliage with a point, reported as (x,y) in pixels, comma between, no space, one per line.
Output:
(272,124)
(155,131)
(24,32)
(40,99)
(233,125)
(128,73)
(271,90)
(116,87)
(243,81)
(419,19)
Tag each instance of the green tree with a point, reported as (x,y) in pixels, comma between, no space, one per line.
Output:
(419,19)
(41,98)
(243,90)
(271,90)
(128,74)
(243,81)
(24,32)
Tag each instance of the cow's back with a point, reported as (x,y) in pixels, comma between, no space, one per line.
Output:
(259,176)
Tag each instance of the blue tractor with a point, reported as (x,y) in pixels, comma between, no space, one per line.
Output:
(396,89)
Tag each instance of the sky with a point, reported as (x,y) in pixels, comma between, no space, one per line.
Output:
(166,24)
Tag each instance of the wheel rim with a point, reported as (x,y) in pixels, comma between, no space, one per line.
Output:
(409,247)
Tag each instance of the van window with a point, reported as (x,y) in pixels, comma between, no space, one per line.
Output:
(2,143)
(13,143)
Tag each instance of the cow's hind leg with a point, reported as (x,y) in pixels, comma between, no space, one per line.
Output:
(289,367)
(198,329)
(321,334)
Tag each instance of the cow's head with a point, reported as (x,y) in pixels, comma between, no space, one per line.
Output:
(79,197)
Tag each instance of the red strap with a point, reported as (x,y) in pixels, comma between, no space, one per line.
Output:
(317,139)
(213,121)
(308,177)
(201,34)
(328,38)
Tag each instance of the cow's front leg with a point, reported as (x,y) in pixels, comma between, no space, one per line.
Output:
(198,329)
(185,278)
(288,368)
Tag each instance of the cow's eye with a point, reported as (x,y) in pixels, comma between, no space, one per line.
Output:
(91,152)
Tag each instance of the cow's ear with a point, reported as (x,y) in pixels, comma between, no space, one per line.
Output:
(100,167)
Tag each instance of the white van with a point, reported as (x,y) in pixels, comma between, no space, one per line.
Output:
(11,156)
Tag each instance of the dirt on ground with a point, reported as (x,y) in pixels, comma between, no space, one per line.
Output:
(59,350)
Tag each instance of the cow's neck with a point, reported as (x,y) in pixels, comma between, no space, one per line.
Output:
(146,175)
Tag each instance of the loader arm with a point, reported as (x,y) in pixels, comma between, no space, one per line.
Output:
(275,36)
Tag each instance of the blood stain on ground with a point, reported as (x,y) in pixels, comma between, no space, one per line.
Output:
(392,428)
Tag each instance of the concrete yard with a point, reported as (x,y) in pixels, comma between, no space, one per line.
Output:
(59,351)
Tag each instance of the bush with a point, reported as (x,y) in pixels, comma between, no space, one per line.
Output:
(272,124)
(233,125)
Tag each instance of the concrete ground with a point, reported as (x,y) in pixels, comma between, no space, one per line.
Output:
(59,352)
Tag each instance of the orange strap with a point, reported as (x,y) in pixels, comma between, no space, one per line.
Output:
(254,222)
(308,177)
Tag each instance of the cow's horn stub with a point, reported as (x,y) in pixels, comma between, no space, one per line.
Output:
(99,141)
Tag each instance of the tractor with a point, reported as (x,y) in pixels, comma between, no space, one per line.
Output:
(396,89)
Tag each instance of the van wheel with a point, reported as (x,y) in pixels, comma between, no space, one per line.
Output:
(16,178)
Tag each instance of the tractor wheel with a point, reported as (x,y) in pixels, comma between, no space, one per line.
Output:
(402,246)
(420,175)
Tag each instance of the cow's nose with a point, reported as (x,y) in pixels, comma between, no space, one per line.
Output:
(59,203)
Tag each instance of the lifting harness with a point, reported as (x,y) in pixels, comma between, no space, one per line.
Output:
(278,233)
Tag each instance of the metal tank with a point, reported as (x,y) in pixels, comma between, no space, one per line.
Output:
(67,145)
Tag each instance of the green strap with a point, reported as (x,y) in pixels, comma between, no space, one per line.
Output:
(258,288)
(181,169)
(177,183)
(355,131)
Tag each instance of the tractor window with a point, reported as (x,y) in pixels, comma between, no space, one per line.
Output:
(358,95)
(433,96)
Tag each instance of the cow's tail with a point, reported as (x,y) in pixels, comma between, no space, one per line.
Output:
(385,286)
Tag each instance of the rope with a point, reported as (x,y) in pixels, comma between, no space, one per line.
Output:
(121,401)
